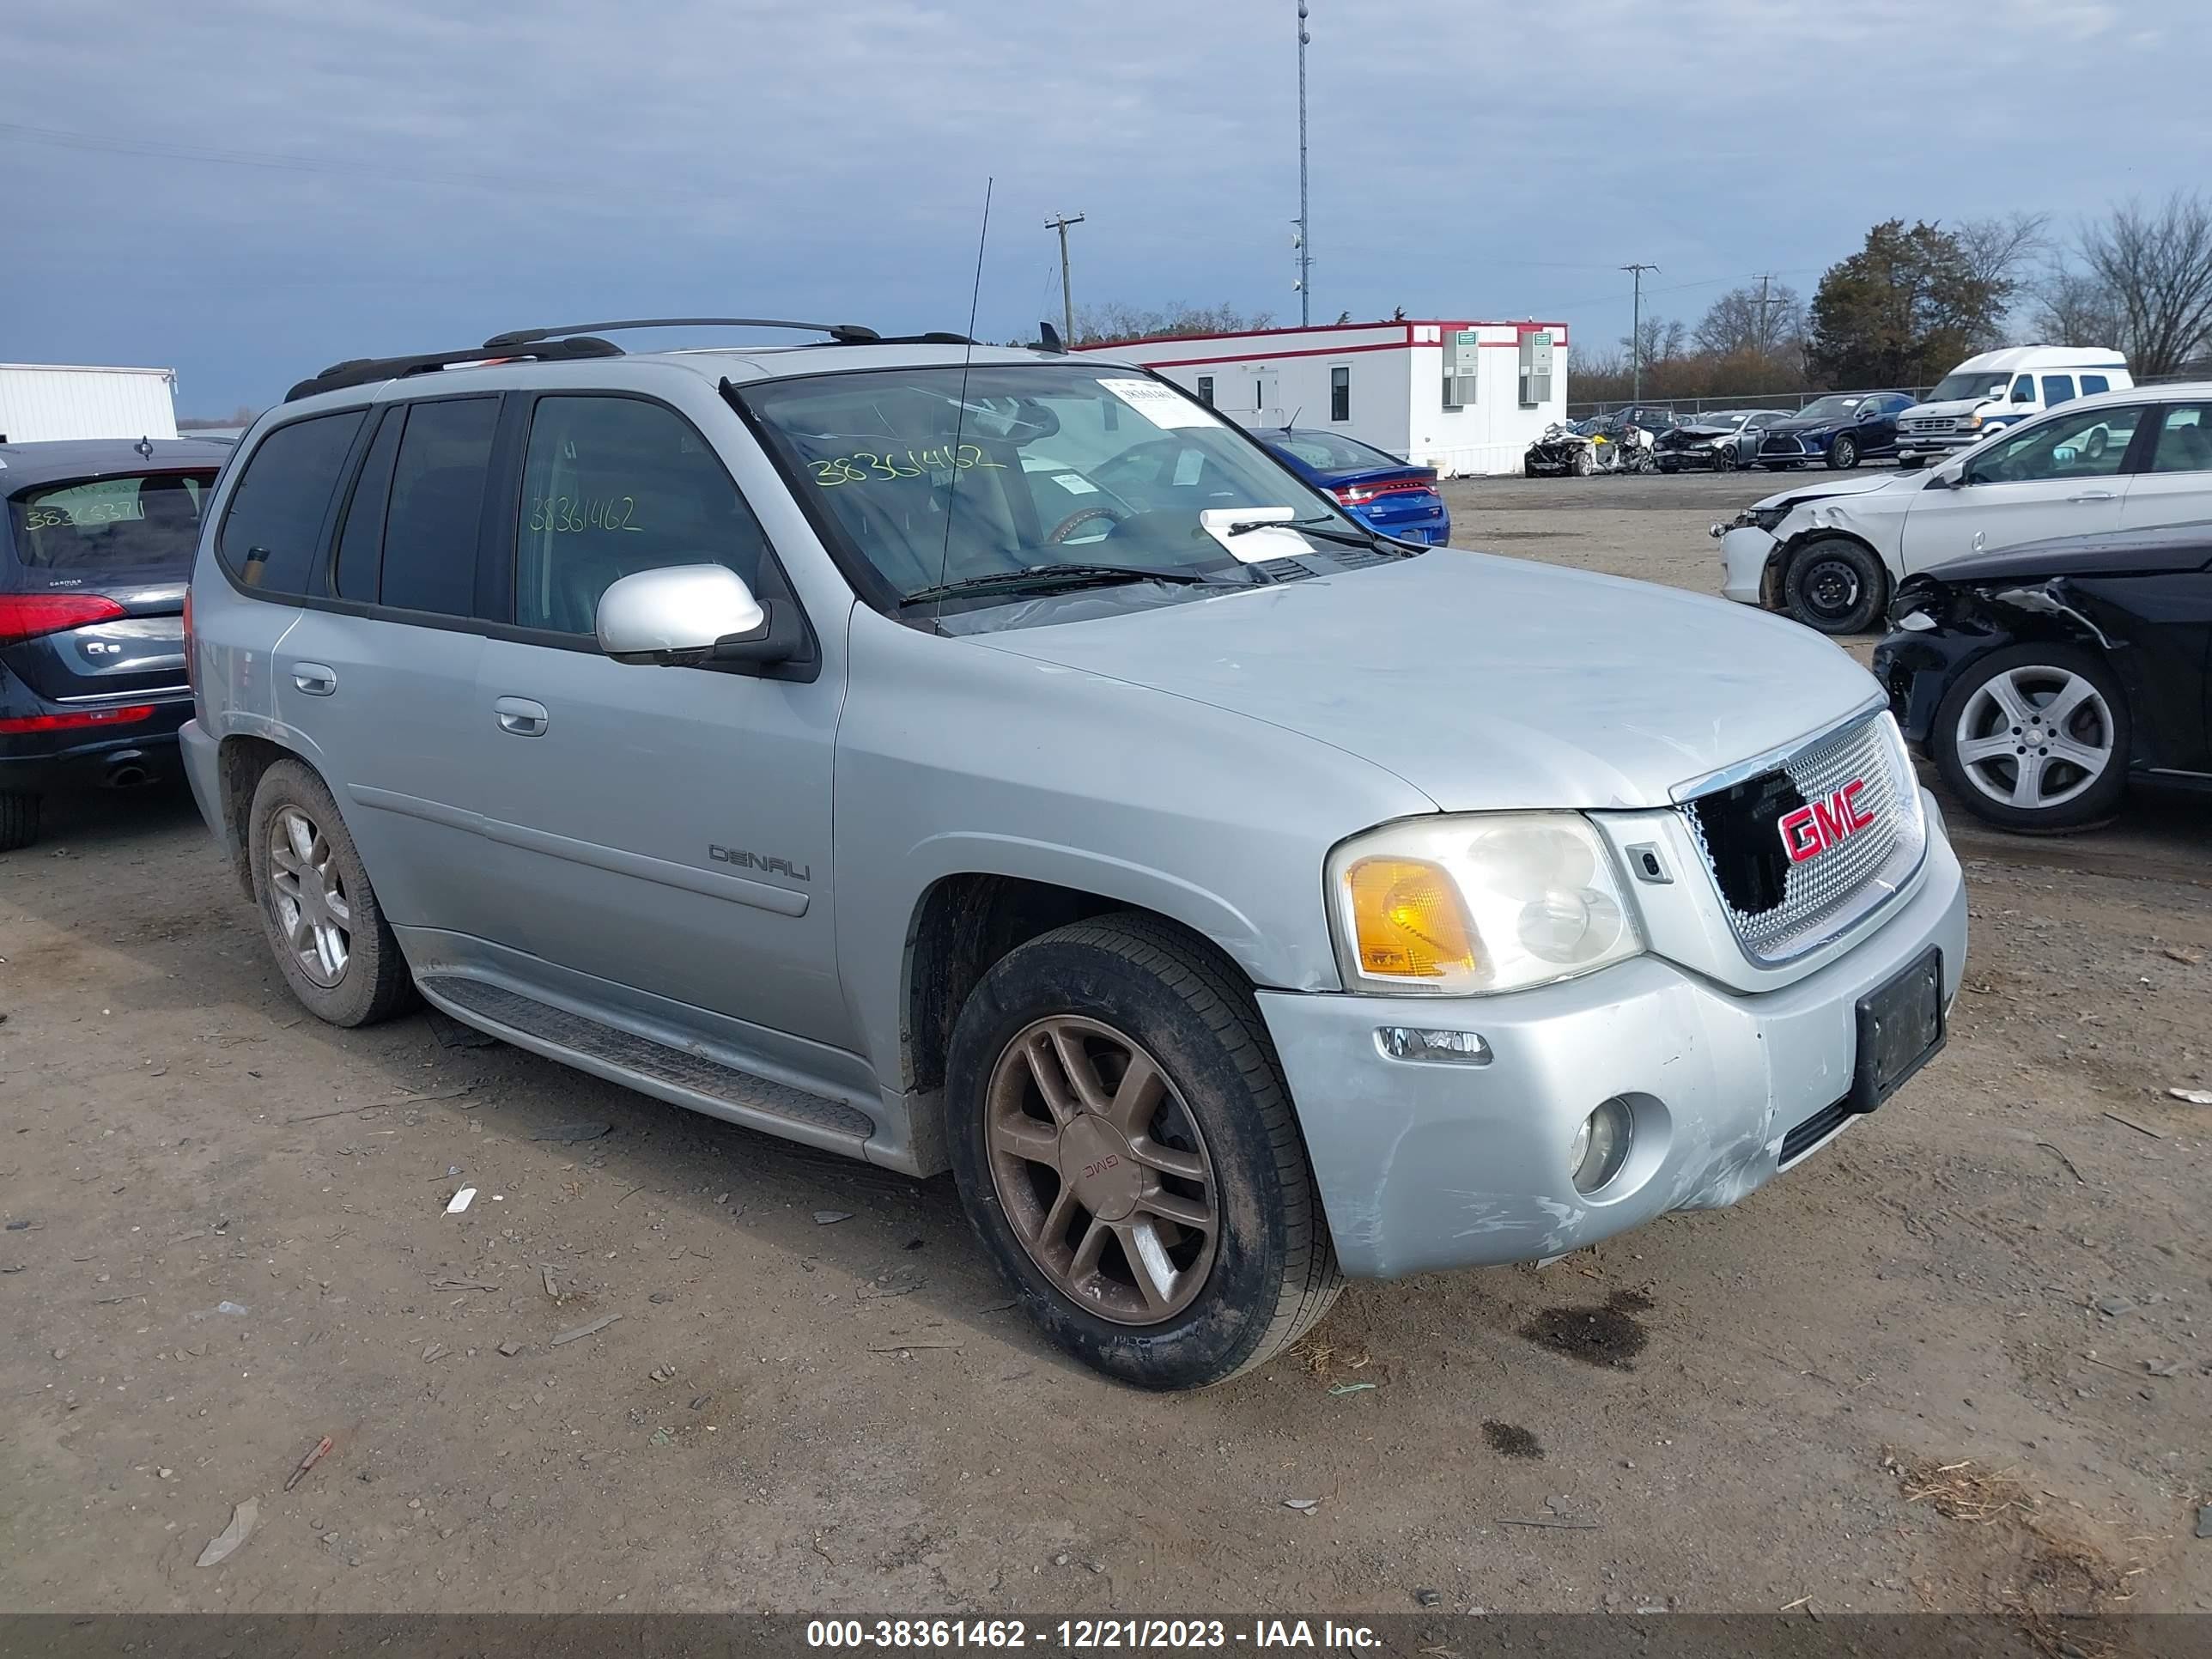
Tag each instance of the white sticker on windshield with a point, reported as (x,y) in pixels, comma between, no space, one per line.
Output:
(1189,465)
(1075,484)
(1253,535)
(1162,405)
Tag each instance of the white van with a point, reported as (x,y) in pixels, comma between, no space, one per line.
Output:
(1986,394)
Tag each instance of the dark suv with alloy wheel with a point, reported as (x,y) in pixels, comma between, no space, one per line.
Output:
(96,548)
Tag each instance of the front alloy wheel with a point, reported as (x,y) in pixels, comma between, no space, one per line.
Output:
(2035,737)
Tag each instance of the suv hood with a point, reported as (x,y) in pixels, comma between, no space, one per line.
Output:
(1488,683)
(1960,406)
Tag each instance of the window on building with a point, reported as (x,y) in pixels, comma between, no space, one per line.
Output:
(1205,390)
(611,486)
(1339,393)
(437,497)
(273,527)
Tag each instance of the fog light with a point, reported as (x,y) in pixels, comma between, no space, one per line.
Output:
(1600,1145)
(1451,1047)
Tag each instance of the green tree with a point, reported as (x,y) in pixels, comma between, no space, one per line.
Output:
(1903,310)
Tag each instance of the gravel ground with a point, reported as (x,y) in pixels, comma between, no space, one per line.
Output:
(1957,1361)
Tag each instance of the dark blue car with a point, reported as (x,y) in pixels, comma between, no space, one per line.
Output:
(1843,429)
(1376,487)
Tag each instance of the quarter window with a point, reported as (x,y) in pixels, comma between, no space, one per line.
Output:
(437,502)
(273,527)
(2185,440)
(1339,393)
(360,544)
(611,486)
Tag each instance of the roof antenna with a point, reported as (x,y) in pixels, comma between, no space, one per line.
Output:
(960,410)
(1049,340)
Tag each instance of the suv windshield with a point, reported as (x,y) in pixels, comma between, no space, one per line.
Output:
(1040,466)
(118,523)
(1828,409)
(1958,388)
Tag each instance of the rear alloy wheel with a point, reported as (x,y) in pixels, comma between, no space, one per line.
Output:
(19,819)
(1125,1146)
(321,917)
(1844,453)
(2035,737)
(1836,585)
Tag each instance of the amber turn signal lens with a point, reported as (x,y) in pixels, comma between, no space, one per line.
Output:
(1408,920)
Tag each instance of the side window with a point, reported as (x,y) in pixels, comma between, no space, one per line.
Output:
(360,544)
(611,486)
(2057,389)
(2023,389)
(437,499)
(1339,393)
(2089,444)
(2094,384)
(2185,440)
(1205,390)
(273,526)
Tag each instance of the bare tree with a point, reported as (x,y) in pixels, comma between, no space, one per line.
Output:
(2156,264)
(1659,340)
(1115,320)
(1771,325)
(1999,249)
(2074,308)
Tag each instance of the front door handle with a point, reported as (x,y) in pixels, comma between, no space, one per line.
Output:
(521,718)
(314,679)
(2093,495)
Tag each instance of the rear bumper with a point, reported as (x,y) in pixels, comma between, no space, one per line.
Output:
(91,756)
(1427,1166)
(198,754)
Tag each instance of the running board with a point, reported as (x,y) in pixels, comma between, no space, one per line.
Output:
(680,1076)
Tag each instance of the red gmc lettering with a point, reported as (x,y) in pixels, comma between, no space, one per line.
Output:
(1813,829)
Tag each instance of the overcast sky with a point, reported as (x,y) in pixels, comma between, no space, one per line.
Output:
(249,190)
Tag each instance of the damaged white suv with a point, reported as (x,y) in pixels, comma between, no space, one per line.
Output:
(1831,555)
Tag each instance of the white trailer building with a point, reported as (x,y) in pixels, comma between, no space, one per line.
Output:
(1461,397)
(43,401)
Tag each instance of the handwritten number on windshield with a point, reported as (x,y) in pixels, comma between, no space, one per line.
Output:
(865,465)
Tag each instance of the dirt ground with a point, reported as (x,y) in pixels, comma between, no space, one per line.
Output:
(1957,1361)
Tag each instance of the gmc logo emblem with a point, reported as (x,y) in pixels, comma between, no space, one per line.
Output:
(1812,829)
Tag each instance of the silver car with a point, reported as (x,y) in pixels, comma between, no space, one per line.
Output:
(990,759)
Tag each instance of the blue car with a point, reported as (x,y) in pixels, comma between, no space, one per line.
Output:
(1376,487)
(1843,429)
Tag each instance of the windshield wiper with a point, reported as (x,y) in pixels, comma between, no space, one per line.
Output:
(1326,530)
(1041,578)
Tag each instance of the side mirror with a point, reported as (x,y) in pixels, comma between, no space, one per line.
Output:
(1868,412)
(676,614)
(1951,477)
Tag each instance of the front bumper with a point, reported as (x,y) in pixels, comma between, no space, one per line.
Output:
(1428,1165)
(1919,445)
(1744,551)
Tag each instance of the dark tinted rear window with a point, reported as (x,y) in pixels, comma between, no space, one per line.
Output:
(273,528)
(437,499)
(360,544)
(128,523)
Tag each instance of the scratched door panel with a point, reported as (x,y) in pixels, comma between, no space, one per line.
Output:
(667,828)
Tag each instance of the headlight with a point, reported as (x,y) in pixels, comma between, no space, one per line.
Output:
(1971,423)
(1765,518)
(1476,904)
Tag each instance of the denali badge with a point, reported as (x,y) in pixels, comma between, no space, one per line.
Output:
(1812,830)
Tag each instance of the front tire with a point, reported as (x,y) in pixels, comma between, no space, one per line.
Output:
(2035,737)
(1585,463)
(19,819)
(1127,1149)
(1835,585)
(318,910)
(1844,453)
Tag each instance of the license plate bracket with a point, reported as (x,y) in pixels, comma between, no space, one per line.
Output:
(1900,1029)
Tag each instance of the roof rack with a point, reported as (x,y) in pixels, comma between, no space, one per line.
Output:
(367,370)
(843,333)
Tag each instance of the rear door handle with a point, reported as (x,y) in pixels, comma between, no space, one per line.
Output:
(522,718)
(314,679)
(2093,495)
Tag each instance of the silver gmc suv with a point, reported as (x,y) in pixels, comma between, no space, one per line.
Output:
(991,759)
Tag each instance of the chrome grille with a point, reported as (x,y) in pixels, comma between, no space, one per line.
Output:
(1933,423)
(1780,910)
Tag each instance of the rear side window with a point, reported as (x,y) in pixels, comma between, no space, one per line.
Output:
(437,502)
(273,527)
(611,486)
(2057,389)
(360,544)
(111,524)
(2092,384)
(2185,440)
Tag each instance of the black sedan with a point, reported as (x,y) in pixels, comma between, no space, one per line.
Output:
(2045,679)
(1721,438)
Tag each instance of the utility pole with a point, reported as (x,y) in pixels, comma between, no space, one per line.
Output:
(1635,329)
(1067,292)
(1765,276)
(1306,223)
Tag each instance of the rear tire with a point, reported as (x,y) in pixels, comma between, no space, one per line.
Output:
(1835,585)
(318,910)
(19,819)
(1037,1072)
